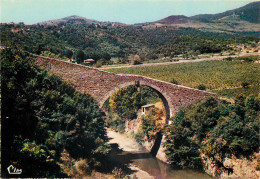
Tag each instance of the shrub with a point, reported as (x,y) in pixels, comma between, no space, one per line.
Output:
(139,137)
(245,85)
(118,173)
(174,81)
(135,62)
(99,63)
(202,87)
(228,59)
(116,122)
(152,122)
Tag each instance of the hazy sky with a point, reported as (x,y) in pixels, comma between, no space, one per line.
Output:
(126,11)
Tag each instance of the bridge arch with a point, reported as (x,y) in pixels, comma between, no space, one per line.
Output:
(101,85)
(161,95)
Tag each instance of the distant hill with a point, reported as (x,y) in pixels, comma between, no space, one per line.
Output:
(246,18)
(249,13)
(71,19)
(76,20)
(179,19)
(170,36)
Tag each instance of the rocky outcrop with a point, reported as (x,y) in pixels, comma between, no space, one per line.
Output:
(232,167)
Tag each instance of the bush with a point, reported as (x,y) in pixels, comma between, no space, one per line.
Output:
(139,137)
(228,59)
(202,87)
(99,63)
(174,81)
(152,123)
(118,173)
(135,62)
(116,122)
(245,85)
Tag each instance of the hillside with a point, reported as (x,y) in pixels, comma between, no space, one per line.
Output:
(179,19)
(75,20)
(71,20)
(46,122)
(174,35)
(249,13)
(246,18)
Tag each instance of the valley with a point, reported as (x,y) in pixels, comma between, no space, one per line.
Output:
(176,97)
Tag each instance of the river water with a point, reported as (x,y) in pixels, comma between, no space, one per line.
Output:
(128,152)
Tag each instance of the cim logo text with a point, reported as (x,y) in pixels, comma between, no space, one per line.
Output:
(12,170)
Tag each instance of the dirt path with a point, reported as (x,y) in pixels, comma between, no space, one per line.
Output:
(125,143)
(182,61)
(130,145)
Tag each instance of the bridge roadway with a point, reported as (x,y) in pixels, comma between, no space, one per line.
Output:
(101,84)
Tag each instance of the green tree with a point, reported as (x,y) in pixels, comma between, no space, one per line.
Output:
(41,116)
(216,129)
(68,53)
(80,56)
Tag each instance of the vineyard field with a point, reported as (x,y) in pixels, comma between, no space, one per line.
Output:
(222,77)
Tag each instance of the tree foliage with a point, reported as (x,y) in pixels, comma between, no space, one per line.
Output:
(127,101)
(217,129)
(105,41)
(41,116)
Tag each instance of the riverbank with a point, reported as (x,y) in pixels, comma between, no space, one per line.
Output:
(141,164)
(128,145)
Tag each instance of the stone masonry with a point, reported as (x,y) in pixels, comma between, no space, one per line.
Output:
(101,84)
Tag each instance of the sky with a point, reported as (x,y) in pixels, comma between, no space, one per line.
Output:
(125,11)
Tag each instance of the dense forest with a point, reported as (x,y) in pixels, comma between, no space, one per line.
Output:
(48,129)
(216,129)
(82,41)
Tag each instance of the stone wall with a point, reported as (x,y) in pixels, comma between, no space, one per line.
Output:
(101,84)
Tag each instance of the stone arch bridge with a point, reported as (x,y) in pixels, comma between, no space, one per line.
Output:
(101,84)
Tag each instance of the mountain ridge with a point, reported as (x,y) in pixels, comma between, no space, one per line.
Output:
(243,19)
(249,13)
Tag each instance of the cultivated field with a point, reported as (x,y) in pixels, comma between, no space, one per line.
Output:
(222,77)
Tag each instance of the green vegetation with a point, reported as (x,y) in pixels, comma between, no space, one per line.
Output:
(127,101)
(244,59)
(216,129)
(232,93)
(245,13)
(124,104)
(222,77)
(103,41)
(152,123)
(193,46)
(48,129)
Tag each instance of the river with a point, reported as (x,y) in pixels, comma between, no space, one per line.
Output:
(142,164)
